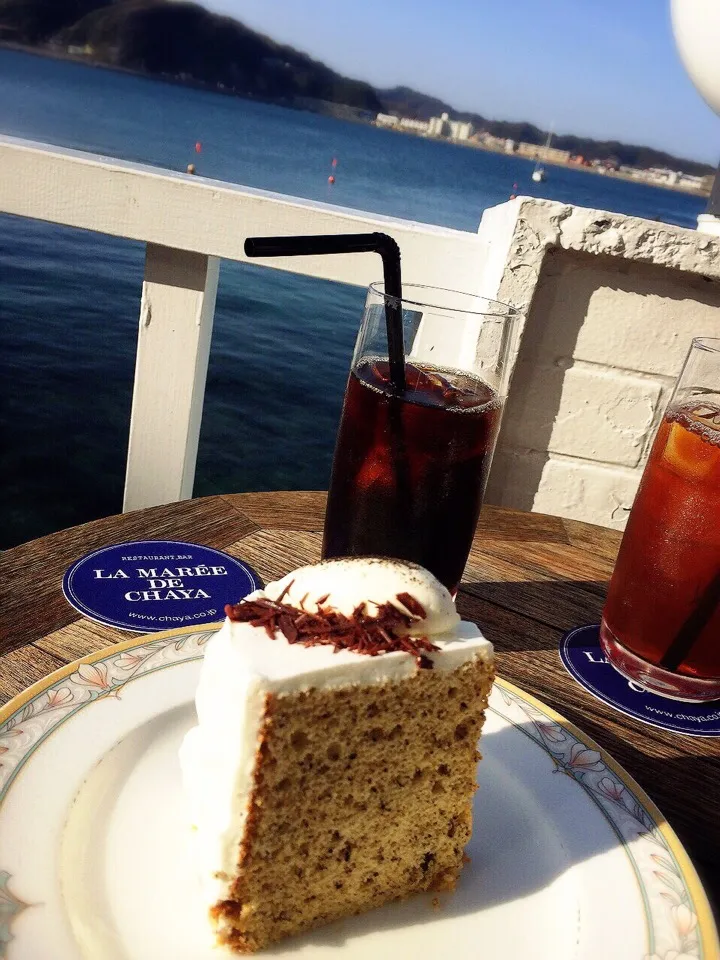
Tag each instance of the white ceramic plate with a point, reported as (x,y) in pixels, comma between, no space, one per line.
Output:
(569,859)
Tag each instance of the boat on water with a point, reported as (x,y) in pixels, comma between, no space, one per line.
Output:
(538,174)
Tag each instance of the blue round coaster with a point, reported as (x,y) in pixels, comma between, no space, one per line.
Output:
(148,585)
(585,661)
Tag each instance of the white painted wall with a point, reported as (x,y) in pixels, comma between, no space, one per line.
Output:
(611,304)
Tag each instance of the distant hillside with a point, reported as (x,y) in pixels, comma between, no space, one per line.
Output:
(184,41)
(407,102)
(36,21)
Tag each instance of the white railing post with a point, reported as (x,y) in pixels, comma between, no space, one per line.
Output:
(176,318)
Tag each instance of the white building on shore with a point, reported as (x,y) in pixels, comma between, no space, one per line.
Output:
(386,120)
(441,126)
(416,126)
(461,130)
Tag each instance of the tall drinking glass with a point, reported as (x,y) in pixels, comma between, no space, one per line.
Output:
(661,622)
(410,467)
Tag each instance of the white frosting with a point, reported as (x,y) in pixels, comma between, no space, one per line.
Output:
(243,664)
(373,581)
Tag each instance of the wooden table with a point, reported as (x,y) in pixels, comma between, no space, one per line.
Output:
(528,579)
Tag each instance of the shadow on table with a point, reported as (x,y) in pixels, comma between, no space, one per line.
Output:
(532,826)
(527,615)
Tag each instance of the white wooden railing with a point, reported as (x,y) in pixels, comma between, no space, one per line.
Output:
(188,225)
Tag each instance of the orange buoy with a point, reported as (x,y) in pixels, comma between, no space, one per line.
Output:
(198,147)
(334,161)
(331,179)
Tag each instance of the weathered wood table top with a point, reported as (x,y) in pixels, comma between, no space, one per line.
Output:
(529,578)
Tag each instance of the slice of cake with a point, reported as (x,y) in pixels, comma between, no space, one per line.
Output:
(333,766)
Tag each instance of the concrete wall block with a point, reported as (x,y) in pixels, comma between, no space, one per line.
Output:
(632,239)
(579,490)
(586,491)
(591,413)
(632,315)
(650,327)
(515,477)
(611,304)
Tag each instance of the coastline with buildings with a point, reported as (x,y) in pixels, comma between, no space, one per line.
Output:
(462,132)
(230,58)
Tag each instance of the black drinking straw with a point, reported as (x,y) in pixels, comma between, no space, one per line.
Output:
(352,243)
(693,626)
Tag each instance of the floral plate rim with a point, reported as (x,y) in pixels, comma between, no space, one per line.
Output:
(679,920)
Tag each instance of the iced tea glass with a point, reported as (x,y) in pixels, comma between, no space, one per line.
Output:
(661,622)
(410,468)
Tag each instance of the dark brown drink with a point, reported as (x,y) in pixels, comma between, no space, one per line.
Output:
(409,472)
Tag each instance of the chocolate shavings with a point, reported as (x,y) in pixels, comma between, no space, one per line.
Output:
(360,632)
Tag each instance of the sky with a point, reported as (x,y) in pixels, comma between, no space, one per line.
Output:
(605,69)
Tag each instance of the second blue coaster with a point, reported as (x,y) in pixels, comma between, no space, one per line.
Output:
(585,661)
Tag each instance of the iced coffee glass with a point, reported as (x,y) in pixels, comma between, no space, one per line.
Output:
(410,466)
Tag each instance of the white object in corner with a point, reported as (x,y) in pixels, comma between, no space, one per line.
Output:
(696,24)
(709,223)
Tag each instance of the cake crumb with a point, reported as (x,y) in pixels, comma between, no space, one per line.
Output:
(436,902)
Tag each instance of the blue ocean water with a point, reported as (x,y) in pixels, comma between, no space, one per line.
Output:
(69,299)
